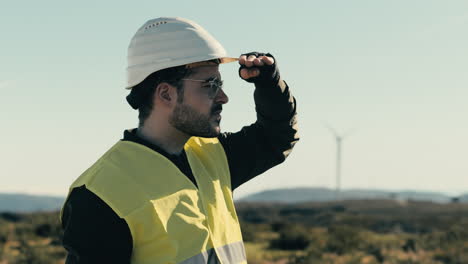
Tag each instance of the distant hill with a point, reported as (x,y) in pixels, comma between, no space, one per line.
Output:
(36,203)
(295,195)
(464,198)
(29,203)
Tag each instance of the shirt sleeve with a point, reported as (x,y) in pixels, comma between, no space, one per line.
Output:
(267,142)
(93,233)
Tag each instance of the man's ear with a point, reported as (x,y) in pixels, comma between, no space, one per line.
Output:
(165,94)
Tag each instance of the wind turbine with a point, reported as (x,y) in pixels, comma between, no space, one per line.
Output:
(339,140)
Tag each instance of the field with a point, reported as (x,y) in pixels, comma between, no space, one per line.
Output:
(383,231)
(370,231)
(30,238)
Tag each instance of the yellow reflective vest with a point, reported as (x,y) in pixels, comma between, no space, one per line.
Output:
(170,219)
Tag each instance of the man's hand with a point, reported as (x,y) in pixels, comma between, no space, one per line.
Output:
(250,62)
(256,67)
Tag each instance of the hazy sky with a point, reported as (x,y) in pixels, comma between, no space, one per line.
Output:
(392,72)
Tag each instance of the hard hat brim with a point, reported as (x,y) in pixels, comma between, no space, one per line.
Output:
(228,59)
(222,60)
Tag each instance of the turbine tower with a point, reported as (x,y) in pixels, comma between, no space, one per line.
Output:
(339,140)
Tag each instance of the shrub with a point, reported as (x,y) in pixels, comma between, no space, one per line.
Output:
(376,252)
(294,238)
(11,217)
(410,245)
(4,230)
(307,259)
(33,254)
(248,232)
(43,230)
(343,239)
(454,256)
(278,226)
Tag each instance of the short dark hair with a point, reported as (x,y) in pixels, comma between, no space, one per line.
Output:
(141,95)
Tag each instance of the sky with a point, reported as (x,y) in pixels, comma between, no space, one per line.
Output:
(391,75)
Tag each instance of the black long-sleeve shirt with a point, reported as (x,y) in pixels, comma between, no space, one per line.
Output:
(93,232)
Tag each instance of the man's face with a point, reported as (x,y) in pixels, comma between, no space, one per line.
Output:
(198,113)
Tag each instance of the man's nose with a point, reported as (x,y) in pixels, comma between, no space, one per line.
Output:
(221,97)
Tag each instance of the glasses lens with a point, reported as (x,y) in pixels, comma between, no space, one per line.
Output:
(215,85)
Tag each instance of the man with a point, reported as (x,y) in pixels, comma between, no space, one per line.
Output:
(163,194)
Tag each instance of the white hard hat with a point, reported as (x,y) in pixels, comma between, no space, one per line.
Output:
(167,42)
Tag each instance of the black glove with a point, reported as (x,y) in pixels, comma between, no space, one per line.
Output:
(269,74)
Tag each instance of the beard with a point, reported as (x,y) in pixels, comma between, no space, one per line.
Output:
(194,123)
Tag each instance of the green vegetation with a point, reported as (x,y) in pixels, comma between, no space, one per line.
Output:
(347,232)
(380,231)
(30,239)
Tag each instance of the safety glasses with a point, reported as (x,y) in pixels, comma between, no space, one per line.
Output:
(213,84)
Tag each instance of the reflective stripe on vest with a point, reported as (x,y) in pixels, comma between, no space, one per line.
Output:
(231,253)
